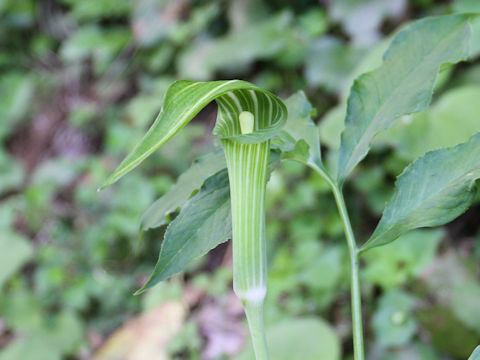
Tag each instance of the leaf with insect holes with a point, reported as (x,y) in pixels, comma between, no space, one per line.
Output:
(184,99)
(178,194)
(432,191)
(402,85)
(204,222)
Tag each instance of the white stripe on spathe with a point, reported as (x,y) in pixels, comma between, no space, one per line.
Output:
(247,165)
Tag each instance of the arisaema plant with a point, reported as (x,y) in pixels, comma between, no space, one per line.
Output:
(248,117)
(215,204)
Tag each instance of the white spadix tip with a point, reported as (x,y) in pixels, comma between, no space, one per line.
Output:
(247,120)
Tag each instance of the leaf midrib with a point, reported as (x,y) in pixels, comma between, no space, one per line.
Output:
(182,248)
(428,200)
(389,98)
(172,130)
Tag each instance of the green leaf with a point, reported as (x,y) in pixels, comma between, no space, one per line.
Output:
(330,62)
(43,335)
(65,332)
(16,90)
(414,350)
(89,10)
(453,276)
(204,222)
(451,120)
(475,44)
(299,138)
(144,107)
(466,6)
(15,251)
(147,15)
(313,22)
(101,44)
(62,334)
(331,127)
(465,304)
(364,29)
(476,354)
(30,348)
(393,321)
(446,333)
(432,191)
(470,7)
(332,124)
(329,261)
(391,266)
(187,183)
(303,338)
(402,85)
(185,99)
(11,172)
(237,49)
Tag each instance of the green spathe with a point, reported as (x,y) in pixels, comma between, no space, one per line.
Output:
(184,99)
(247,118)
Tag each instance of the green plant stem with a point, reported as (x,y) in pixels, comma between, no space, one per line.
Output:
(356,297)
(255,318)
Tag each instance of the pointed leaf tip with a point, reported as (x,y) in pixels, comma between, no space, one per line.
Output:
(401,85)
(202,224)
(184,100)
(432,191)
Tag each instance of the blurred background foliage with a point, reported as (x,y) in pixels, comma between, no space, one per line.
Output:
(81,80)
